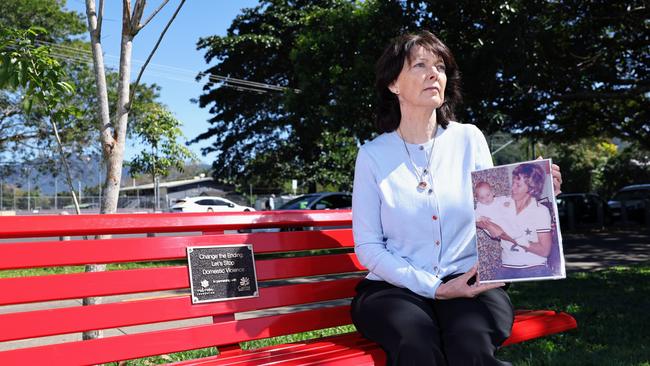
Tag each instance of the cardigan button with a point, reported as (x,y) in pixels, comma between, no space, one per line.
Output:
(421,147)
(437,242)
(434,217)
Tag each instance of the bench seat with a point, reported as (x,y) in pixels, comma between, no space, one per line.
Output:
(352,349)
(293,270)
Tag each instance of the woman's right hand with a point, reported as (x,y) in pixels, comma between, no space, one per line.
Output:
(458,287)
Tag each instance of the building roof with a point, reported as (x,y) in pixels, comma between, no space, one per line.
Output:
(175,183)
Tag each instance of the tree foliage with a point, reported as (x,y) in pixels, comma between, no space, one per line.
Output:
(24,65)
(585,161)
(60,24)
(25,137)
(31,68)
(160,132)
(28,136)
(553,71)
(557,71)
(313,46)
(630,166)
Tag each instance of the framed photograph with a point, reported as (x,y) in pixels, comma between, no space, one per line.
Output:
(517,229)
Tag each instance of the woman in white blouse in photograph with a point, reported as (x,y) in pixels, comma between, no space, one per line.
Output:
(413,218)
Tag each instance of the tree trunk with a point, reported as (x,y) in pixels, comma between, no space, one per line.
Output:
(114,149)
(106,136)
(113,133)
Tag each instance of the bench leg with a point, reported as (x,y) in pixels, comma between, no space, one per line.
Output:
(226,348)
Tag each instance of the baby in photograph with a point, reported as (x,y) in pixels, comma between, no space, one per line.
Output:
(499,210)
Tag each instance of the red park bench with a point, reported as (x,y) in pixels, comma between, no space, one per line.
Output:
(25,313)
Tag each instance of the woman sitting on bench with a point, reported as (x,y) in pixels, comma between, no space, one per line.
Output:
(413,218)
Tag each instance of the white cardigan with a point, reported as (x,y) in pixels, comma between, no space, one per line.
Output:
(409,237)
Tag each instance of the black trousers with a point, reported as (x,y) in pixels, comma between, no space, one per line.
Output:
(417,331)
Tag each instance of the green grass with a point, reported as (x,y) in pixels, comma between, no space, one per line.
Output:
(612,308)
(76,269)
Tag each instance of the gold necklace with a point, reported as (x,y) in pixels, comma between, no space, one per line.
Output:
(422,185)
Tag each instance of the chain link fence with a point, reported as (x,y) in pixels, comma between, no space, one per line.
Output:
(86,203)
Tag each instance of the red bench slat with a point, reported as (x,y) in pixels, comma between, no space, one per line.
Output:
(351,349)
(41,323)
(175,340)
(540,325)
(526,314)
(45,226)
(308,266)
(237,357)
(318,356)
(79,285)
(80,252)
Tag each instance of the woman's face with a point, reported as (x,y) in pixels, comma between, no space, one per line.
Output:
(422,81)
(519,188)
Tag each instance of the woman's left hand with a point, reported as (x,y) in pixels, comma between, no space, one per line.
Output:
(557,177)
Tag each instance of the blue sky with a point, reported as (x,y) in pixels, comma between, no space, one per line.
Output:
(176,62)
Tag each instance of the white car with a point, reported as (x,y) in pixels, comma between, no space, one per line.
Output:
(207,204)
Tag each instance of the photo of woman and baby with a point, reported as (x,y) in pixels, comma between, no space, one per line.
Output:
(516,218)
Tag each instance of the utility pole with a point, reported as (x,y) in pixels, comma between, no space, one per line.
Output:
(29,189)
(156,193)
(99,180)
(56,192)
(29,195)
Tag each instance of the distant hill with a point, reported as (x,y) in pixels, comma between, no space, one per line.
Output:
(84,174)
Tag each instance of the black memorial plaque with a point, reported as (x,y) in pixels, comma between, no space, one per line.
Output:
(220,273)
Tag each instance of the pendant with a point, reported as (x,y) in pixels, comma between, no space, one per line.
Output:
(422,185)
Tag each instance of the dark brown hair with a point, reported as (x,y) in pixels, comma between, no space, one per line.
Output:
(390,65)
(533,175)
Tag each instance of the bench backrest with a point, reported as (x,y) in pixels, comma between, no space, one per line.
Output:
(131,244)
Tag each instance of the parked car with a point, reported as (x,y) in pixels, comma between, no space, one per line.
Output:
(207,204)
(585,208)
(313,201)
(319,201)
(634,197)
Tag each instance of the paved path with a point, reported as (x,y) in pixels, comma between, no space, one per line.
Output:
(587,251)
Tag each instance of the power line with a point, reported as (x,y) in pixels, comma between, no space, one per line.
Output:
(503,146)
(77,55)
